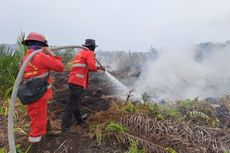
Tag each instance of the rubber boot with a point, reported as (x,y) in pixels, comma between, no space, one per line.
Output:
(83,118)
(69,130)
(50,131)
(34,147)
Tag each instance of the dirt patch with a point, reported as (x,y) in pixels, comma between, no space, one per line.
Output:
(95,99)
(3,131)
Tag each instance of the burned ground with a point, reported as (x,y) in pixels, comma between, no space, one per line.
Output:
(94,100)
(150,125)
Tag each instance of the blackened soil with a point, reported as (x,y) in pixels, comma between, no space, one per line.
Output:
(94,100)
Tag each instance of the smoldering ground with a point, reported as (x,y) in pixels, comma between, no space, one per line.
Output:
(196,71)
(178,74)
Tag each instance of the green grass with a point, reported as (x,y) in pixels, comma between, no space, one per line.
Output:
(9,66)
(2,150)
(134,147)
(115,127)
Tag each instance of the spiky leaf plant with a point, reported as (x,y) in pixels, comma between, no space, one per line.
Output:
(130,107)
(115,127)
(10,60)
(9,64)
(134,147)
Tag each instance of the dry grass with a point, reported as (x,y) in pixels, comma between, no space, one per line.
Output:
(182,137)
(157,135)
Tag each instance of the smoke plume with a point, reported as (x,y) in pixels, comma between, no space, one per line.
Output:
(177,74)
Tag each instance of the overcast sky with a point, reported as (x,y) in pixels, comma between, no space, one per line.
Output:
(118,24)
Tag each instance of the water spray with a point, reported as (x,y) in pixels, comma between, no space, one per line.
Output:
(122,88)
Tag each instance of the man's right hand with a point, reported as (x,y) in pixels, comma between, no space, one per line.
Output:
(46,50)
(100,68)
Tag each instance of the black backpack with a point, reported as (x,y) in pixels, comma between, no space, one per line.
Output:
(32,90)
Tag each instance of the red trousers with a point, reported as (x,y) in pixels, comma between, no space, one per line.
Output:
(38,118)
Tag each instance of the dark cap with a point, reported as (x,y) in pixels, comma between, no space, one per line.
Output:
(90,42)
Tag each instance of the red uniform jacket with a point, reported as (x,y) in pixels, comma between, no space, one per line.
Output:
(83,63)
(40,64)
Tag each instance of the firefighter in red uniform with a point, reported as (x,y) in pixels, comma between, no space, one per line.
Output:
(40,66)
(83,63)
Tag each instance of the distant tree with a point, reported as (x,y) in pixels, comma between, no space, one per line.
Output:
(153,53)
(204,50)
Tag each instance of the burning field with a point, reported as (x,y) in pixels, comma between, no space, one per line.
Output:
(117,125)
(142,103)
(154,76)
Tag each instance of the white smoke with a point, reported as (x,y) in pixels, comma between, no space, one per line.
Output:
(176,75)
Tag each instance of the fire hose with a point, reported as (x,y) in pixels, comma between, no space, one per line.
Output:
(100,64)
(11,138)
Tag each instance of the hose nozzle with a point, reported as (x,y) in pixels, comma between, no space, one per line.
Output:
(100,65)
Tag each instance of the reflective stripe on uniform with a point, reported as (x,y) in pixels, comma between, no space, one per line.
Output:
(79,65)
(42,76)
(35,139)
(30,73)
(49,86)
(80,75)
